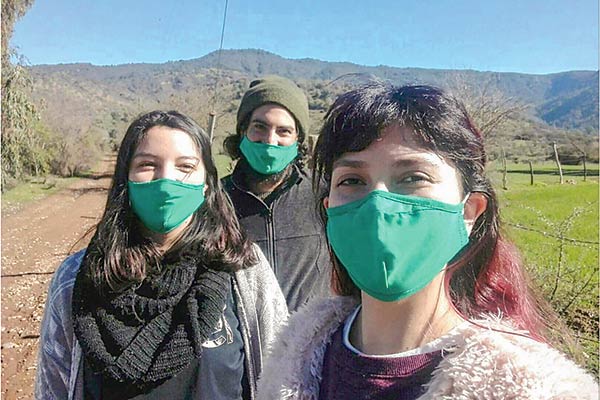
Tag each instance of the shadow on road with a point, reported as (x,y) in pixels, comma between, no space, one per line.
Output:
(20,274)
(95,176)
(81,191)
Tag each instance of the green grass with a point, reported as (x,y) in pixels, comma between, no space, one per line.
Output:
(556,228)
(32,190)
(223,164)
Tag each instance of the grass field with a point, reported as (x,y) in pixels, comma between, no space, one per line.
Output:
(33,189)
(556,228)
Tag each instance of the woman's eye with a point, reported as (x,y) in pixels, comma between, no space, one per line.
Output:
(145,164)
(413,179)
(187,167)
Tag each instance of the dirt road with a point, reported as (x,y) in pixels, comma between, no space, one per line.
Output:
(35,239)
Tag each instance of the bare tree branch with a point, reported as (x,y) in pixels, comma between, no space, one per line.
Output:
(487,105)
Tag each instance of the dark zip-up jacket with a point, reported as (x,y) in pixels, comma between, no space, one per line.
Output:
(286,228)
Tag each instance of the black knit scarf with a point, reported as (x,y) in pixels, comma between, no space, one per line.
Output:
(147,334)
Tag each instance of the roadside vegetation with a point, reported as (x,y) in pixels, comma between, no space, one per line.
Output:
(30,149)
(556,228)
(31,190)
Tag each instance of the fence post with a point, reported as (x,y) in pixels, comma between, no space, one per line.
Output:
(504,172)
(558,162)
(211,125)
(530,173)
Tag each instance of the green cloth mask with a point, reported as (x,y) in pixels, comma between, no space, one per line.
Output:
(268,159)
(393,245)
(163,204)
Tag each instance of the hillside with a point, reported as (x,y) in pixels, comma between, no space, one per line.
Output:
(548,92)
(99,101)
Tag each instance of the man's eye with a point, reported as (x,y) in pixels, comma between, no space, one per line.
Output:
(285,132)
(350,182)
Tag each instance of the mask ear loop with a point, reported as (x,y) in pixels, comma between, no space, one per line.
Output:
(464,202)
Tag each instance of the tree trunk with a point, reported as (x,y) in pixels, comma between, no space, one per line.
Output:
(584,168)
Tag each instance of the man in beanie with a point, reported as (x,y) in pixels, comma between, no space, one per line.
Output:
(272,192)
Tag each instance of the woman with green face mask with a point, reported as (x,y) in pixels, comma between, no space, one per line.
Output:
(434,302)
(169,300)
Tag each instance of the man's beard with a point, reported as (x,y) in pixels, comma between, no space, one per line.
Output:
(254,179)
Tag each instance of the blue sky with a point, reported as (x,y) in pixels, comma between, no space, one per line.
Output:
(531,36)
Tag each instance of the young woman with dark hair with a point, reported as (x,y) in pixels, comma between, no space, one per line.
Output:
(434,302)
(169,300)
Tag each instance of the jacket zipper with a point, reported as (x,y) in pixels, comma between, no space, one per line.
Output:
(271,239)
(270,226)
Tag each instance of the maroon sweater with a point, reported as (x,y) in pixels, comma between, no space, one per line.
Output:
(347,375)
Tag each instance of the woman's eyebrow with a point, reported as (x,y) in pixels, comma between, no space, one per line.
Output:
(414,161)
(349,163)
(143,154)
(195,158)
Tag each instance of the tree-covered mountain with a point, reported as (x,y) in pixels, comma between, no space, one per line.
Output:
(567,99)
(97,102)
(563,99)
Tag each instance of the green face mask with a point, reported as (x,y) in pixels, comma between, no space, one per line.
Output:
(162,205)
(268,159)
(393,245)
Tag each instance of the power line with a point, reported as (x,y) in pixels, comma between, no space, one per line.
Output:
(215,89)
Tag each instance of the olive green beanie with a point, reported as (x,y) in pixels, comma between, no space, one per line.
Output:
(277,90)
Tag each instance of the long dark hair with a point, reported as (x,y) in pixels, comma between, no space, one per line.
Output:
(120,255)
(487,277)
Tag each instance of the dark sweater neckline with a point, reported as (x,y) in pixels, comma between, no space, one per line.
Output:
(402,366)
(347,374)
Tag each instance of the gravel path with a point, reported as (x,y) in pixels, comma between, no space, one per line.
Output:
(35,239)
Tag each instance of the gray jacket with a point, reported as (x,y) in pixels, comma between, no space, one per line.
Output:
(261,310)
(288,231)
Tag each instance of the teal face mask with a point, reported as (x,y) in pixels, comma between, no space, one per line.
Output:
(268,159)
(163,204)
(393,245)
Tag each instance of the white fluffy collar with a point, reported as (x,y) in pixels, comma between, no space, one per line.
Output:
(482,363)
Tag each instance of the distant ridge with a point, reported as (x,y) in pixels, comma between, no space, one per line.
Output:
(565,99)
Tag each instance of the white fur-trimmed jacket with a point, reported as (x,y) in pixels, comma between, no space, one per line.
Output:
(481,364)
